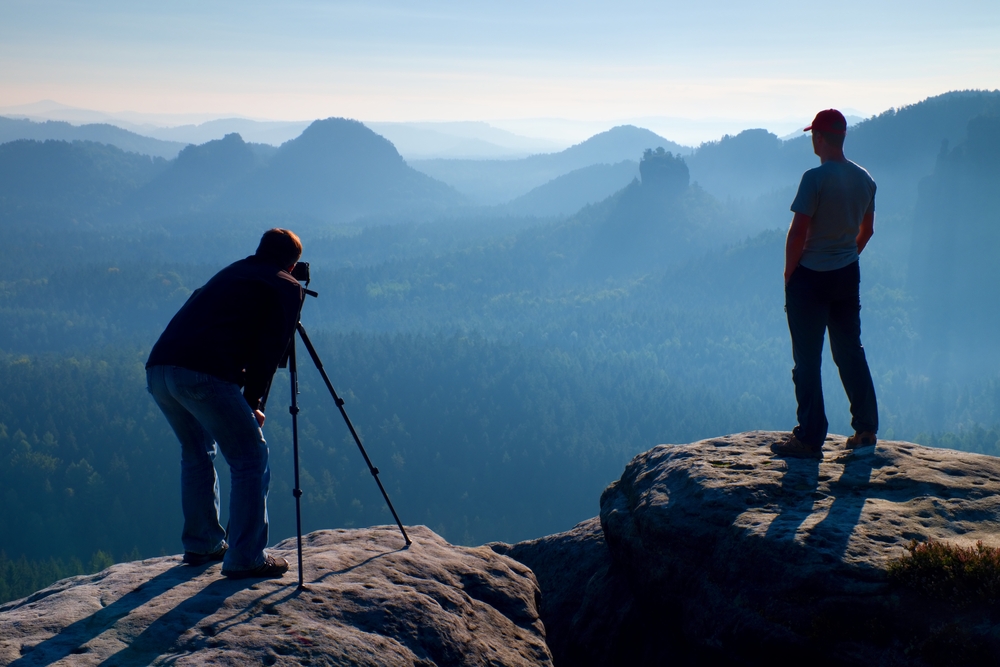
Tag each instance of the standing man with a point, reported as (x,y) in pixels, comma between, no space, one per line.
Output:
(231,333)
(834,220)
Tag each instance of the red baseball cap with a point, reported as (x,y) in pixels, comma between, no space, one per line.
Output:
(829,120)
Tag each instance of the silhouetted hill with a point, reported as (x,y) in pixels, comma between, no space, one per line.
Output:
(499,181)
(198,176)
(338,169)
(12,129)
(570,192)
(58,181)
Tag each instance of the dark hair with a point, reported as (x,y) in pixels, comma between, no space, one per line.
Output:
(280,246)
(835,139)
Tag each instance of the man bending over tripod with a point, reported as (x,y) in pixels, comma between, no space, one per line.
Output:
(231,333)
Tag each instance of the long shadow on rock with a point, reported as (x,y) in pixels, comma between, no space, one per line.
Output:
(165,632)
(850,491)
(73,637)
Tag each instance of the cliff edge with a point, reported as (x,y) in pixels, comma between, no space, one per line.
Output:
(720,550)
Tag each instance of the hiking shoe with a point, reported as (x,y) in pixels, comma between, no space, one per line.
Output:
(795,448)
(192,558)
(861,439)
(273,566)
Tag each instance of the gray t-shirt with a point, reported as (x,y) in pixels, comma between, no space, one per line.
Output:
(836,195)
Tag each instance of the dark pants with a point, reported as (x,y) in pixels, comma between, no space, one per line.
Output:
(816,301)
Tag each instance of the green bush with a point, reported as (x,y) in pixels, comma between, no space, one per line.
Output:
(941,570)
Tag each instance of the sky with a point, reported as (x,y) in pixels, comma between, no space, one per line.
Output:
(708,64)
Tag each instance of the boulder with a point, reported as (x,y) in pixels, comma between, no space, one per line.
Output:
(367,601)
(759,559)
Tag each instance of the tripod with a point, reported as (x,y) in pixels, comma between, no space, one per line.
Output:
(294,410)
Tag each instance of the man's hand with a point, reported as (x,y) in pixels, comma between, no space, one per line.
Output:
(795,243)
(260,417)
(866,231)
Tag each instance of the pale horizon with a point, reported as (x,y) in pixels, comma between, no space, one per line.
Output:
(563,131)
(703,70)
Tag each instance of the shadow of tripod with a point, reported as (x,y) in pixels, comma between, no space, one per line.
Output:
(294,410)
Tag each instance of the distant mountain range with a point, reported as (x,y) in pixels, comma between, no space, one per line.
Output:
(490,182)
(340,170)
(413,140)
(459,140)
(337,170)
(274,133)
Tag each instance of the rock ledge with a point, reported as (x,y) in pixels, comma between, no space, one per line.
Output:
(367,602)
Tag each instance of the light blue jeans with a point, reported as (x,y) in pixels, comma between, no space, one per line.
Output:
(204,411)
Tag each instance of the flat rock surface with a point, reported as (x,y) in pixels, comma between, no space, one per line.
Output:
(758,554)
(367,601)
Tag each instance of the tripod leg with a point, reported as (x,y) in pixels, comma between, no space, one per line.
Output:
(340,405)
(297,492)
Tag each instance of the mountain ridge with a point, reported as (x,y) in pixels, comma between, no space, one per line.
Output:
(12,129)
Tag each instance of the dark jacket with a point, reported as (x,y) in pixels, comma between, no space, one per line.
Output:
(236,327)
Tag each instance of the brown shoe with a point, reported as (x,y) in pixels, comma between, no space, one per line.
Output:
(861,439)
(795,448)
(273,566)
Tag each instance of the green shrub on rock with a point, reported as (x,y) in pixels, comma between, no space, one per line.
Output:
(942,570)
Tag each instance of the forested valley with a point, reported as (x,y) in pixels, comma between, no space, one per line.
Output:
(500,362)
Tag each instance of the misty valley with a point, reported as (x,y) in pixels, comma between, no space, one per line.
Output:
(507,333)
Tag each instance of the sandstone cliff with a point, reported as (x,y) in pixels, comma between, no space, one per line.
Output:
(719,550)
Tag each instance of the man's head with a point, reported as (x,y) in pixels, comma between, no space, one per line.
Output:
(830,126)
(280,247)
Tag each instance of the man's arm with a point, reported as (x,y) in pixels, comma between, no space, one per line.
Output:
(866,231)
(795,242)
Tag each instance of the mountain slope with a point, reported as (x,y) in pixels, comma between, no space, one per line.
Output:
(499,181)
(12,129)
(570,192)
(58,181)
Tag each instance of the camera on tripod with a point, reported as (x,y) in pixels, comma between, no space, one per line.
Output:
(301,272)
